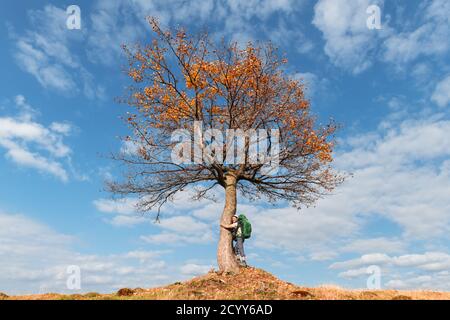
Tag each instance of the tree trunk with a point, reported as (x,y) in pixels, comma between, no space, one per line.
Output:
(225,256)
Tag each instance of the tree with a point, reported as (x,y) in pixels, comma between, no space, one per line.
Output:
(187,82)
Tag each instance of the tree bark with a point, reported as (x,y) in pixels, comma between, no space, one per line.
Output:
(225,256)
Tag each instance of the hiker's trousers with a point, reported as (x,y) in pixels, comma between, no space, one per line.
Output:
(239,247)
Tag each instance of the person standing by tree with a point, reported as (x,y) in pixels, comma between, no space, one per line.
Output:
(238,237)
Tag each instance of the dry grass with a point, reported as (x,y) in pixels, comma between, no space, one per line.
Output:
(250,283)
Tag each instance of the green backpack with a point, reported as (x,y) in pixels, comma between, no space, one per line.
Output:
(246,226)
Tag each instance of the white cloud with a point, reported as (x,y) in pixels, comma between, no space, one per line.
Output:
(20,234)
(128,221)
(26,111)
(348,41)
(63,128)
(239,19)
(304,231)
(183,224)
(124,206)
(123,22)
(374,245)
(210,211)
(26,158)
(262,9)
(441,94)
(286,34)
(34,259)
(129,148)
(36,63)
(437,261)
(354,273)
(171,238)
(124,211)
(315,86)
(319,255)
(46,51)
(143,255)
(364,260)
(31,144)
(383,171)
(192,269)
(400,172)
(352,46)
(115,23)
(409,141)
(438,281)
(176,229)
(429,38)
(409,271)
(180,230)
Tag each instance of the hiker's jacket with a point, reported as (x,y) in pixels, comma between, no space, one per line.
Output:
(237,229)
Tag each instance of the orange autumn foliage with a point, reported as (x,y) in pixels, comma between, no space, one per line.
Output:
(226,87)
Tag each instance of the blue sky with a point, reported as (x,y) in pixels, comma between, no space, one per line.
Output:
(389,88)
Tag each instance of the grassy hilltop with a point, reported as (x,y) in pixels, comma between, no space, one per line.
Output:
(250,283)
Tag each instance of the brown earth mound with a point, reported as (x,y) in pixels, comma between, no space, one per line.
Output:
(250,283)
